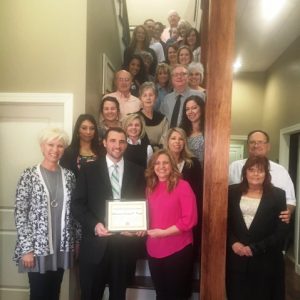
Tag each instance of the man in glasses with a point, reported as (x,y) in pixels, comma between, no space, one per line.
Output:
(172,104)
(128,103)
(259,145)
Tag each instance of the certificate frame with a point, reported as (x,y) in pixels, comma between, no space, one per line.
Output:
(126,215)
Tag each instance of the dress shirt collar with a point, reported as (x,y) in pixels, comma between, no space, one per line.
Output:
(185,93)
(110,163)
(129,141)
(123,96)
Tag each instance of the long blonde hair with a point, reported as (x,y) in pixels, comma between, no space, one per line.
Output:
(151,177)
(186,154)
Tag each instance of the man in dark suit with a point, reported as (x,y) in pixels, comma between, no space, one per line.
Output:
(106,258)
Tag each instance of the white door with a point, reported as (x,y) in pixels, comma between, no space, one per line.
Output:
(22,116)
(236,152)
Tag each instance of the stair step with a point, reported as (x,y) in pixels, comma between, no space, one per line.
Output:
(145,282)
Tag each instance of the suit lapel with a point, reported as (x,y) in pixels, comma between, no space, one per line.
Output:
(239,212)
(125,180)
(262,207)
(104,175)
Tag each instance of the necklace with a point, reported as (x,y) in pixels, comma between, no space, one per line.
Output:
(53,200)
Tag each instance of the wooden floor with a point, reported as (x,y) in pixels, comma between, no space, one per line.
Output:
(292,281)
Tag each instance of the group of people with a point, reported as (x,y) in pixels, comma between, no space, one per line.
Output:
(154,50)
(151,147)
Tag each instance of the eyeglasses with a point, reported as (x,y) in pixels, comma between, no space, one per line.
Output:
(181,74)
(257,143)
(123,79)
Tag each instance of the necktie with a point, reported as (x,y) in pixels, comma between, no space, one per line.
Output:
(175,112)
(115,185)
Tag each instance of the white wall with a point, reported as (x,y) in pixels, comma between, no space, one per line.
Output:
(140,10)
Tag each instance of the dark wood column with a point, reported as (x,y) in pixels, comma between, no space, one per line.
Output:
(218,36)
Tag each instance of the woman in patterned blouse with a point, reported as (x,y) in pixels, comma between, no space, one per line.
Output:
(193,124)
(84,146)
(45,228)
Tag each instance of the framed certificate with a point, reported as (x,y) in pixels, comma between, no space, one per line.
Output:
(126,215)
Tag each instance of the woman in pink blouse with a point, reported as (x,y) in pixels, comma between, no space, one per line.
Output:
(172,215)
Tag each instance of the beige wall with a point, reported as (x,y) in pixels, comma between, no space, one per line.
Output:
(53,46)
(158,10)
(247,102)
(102,37)
(269,101)
(43,47)
(282,98)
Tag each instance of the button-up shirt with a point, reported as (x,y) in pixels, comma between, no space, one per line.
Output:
(128,104)
(111,166)
(169,101)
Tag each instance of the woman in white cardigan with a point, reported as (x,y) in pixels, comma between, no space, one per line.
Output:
(45,228)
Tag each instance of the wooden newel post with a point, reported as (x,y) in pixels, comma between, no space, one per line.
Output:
(218,27)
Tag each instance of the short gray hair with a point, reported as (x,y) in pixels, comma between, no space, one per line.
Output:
(53,133)
(147,85)
(198,67)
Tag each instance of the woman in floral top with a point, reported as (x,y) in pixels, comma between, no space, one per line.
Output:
(84,145)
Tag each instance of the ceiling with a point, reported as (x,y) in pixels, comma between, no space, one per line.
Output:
(259,42)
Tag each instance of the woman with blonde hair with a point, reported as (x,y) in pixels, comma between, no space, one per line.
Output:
(138,148)
(191,171)
(172,215)
(162,83)
(45,228)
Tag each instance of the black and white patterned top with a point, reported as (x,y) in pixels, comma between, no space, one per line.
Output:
(33,215)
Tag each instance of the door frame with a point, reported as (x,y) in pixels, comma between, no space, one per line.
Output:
(284,153)
(56,99)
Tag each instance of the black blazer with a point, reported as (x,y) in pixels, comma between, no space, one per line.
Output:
(194,176)
(265,235)
(69,160)
(93,188)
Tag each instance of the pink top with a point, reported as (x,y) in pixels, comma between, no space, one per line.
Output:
(128,105)
(167,209)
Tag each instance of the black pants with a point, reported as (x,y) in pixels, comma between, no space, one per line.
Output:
(172,275)
(45,286)
(116,268)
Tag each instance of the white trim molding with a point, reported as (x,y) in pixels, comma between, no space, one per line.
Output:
(57,99)
(284,143)
(238,137)
(284,153)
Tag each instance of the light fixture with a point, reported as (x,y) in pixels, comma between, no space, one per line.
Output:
(237,64)
(271,8)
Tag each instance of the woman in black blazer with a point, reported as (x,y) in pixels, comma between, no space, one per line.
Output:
(191,171)
(255,266)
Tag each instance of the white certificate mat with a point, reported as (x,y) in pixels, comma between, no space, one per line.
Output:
(126,215)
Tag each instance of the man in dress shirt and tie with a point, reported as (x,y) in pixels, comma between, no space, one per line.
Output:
(106,258)
(172,104)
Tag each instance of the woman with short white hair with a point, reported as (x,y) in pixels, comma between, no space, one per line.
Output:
(45,228)
(196,76)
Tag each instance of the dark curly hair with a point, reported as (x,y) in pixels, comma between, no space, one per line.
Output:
(141,77)
(185,122)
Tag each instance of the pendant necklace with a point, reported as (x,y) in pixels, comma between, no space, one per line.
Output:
(53,200)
